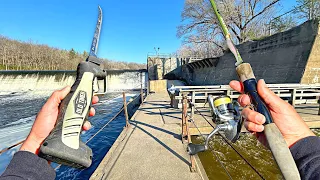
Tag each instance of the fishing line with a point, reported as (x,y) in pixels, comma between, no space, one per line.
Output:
(113,118)
(217,157)
(17,144)
(192,104)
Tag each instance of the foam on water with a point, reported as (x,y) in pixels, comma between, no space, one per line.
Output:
(22,95)
(14,131)
(24,81)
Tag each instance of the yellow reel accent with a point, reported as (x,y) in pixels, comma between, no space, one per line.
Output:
(220,101)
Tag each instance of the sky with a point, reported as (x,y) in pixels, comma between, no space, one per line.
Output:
(130,29)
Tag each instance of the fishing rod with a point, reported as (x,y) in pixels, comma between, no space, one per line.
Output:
(276,142)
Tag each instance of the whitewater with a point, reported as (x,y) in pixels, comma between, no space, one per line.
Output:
(19,106)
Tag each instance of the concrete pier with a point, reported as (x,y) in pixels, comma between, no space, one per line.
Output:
(151,148)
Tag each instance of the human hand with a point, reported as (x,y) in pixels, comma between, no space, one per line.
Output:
(289,122)
(46,120)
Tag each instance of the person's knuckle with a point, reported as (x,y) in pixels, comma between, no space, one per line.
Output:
(255,117)
(243,112)
(246,113)
(252,115)
(239,100)
(55,93)
(249,125)
(246,125)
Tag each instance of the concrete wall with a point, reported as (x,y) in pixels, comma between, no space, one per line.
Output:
(118,80)
(159,66)
(312,70)
(280,58)
(17,81)
(158,86)
(133,105)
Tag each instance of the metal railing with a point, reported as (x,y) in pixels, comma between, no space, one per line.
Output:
(293,93)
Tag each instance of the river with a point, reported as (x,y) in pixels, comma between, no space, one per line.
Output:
(221,158)
(18,111)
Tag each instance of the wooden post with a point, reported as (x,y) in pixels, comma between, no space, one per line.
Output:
(125,109)
(184,117)
(193,100)
(293,97)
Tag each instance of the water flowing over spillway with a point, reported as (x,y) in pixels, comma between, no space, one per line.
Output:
(40,81)
(34,82)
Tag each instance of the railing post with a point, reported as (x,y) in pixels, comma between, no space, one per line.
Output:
(125,109)
(319,106)
(293,97)
(192,158)
(193,100)
(186,126)
(228,92)
(141,90)
(148,87)
(184,117)
(141,95)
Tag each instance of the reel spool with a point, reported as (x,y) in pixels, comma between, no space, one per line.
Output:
(222,104)
(227,116)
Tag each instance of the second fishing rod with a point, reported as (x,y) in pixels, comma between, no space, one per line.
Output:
(276,142)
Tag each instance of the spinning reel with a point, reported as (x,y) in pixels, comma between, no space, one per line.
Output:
(226,116)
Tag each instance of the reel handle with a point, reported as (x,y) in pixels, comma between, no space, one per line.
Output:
(194,149)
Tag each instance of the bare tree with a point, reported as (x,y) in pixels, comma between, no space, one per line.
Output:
(17,55)
(246,20)
(198,50)
(308,9)
(284,23)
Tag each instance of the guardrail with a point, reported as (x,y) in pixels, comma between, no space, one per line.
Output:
(293,93)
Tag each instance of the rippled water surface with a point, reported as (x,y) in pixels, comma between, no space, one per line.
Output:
(248,146)
(19,110)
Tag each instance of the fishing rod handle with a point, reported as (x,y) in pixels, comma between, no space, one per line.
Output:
(63,145)
(276,142)
(249,82)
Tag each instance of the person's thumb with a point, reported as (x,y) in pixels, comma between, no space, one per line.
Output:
(64,92)
(269,97)
(59,95)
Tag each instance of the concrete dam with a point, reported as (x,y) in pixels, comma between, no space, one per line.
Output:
(24,81)
(292,56)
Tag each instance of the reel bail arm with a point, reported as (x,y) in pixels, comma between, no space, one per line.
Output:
(227,117)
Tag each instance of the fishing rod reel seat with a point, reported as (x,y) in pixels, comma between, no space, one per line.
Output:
(226,116)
